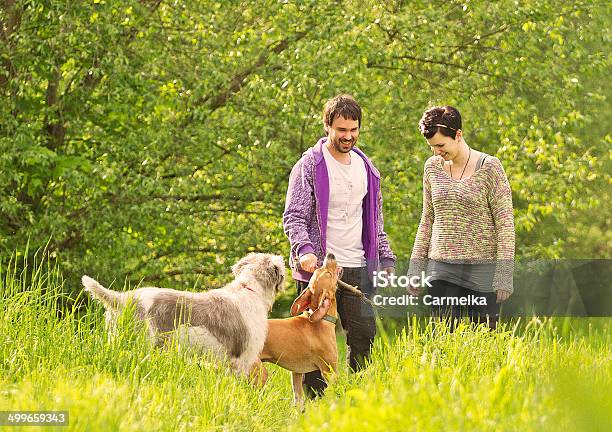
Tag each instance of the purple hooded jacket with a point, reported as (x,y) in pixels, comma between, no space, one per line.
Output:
(306,207)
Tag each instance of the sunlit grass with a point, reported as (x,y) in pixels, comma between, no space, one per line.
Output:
(535,375)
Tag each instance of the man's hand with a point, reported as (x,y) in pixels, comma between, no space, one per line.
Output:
(502,296)
(308,262)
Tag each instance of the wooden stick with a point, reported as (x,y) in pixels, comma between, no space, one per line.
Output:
(354,290)
(351,288)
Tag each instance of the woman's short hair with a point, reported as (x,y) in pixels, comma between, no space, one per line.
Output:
(444,119)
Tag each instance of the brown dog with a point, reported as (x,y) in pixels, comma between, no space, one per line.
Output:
(306,343)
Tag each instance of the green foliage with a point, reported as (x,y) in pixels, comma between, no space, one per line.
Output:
(530,376)
(518,378)
(153,140)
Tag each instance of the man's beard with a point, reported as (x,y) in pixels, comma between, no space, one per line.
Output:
(340,145)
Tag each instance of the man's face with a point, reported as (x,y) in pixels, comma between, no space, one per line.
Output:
(343,134)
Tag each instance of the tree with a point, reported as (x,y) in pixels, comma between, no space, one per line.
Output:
(150,139)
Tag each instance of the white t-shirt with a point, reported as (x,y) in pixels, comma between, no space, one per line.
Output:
(348,185)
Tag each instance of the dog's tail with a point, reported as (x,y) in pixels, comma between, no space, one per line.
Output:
(112,300)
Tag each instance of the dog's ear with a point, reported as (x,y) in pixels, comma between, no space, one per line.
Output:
(277,274)
(274,271)
(321,311)
(301,303)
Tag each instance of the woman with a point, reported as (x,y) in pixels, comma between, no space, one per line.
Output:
(465,240)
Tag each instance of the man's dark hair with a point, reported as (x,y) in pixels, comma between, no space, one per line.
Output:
(443,119)
(341,106)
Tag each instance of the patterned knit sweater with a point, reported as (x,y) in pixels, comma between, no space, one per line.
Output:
(467,221)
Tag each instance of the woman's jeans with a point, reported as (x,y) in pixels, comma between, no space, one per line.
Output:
(445,292)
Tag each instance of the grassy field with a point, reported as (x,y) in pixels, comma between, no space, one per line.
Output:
(535,375)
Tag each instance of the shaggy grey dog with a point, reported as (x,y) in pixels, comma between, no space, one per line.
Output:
(231,322)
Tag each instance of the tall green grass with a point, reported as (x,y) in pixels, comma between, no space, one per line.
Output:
(535,375)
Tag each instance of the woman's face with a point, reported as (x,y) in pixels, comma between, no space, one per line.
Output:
(444,146)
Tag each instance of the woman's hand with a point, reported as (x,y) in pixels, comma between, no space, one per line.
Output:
(414,290)
(502,296)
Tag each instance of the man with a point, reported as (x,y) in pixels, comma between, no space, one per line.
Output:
(334,204)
